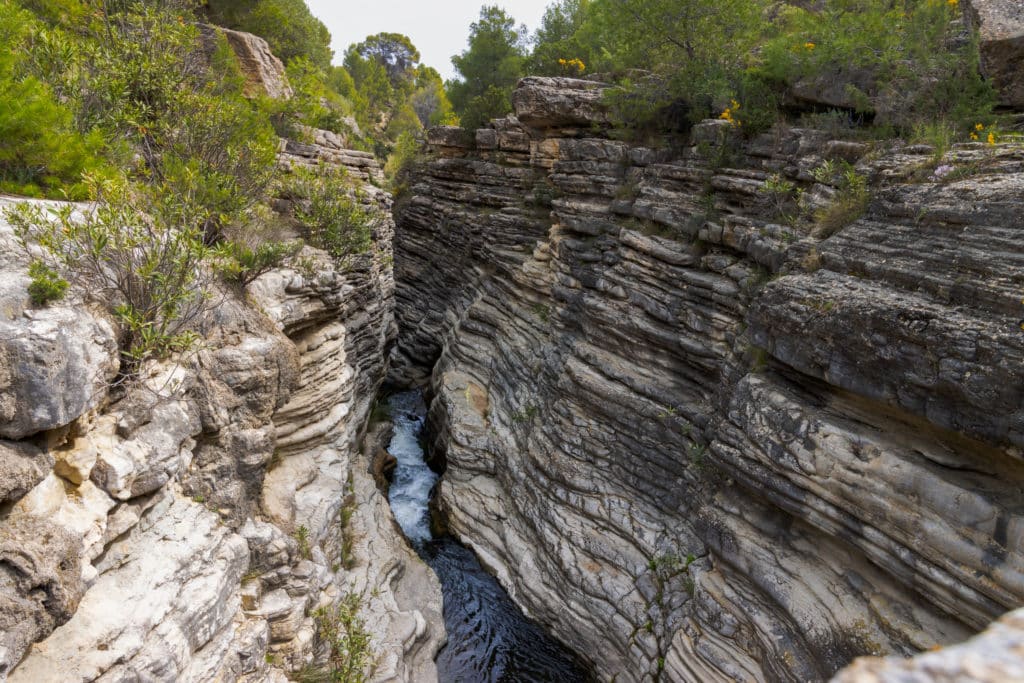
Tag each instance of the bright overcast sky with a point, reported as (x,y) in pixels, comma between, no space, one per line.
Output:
(438,29)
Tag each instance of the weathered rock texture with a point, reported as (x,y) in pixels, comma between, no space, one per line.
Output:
(996,656)
(190,529)
(264,73)
(697,442)
(1000,25)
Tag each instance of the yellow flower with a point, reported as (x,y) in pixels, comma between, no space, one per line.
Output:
(974,136)
(979,127)
(727,115)
(991,138)
(952,3)
(809,46)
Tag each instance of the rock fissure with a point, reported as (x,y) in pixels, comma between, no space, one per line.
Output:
(828,423)
(190,527)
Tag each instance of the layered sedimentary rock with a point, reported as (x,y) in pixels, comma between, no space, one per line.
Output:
(194,526)
(698,436)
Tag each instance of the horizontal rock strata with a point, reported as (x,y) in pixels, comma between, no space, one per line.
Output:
(696,438)
(192,528)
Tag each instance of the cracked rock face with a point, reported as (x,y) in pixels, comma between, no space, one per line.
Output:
(40,583)
(190,529)
(55,362)
(264,72)
(699,442)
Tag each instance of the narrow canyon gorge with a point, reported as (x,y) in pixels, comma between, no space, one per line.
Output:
(692,439)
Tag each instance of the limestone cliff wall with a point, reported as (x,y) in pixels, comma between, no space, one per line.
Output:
(702,443)
(189,529)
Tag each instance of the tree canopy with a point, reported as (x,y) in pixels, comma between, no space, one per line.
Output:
(489,68)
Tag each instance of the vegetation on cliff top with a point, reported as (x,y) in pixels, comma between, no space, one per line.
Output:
(130,105)
(898,64)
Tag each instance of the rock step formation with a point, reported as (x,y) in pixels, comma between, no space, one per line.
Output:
(701,441)
(191,529)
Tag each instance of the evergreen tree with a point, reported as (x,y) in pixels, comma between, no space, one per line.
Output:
(489,69)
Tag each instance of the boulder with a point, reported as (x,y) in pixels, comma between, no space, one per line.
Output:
(22,466)
(40,584)
(264,73)
(450,136)
(1000,24)
(559,102)
(55,365)
(995,656)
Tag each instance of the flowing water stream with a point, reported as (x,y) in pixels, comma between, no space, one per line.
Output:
(489,638)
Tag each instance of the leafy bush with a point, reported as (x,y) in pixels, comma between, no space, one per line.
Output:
(41,152)
(334,217)
(402,158)
(679,61)
(150,86)
(47,285)
(242,263)
(138,250)
(907,62)
(314,104)
(351,657)
(851,201)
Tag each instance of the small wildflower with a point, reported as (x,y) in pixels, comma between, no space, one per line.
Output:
(991,138)
(572,64)
(974,136)
(809,45)
(942,171)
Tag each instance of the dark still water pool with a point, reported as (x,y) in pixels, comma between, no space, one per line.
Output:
(489,639)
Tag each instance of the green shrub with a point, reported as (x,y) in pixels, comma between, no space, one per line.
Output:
(242,263)
(908,62)
(403,157)
(313,104)
(41,152)
(47,285)
(351,657)
(334,216)
(139,251)
(302,538)
(851,201)
(147,83)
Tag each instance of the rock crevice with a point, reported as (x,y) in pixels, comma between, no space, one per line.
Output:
(700,441)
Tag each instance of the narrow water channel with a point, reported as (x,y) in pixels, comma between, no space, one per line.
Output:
(489,639)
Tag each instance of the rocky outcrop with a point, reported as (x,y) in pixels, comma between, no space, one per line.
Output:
(1000,25)
(202,524)
(55,363)
(997,655)
(264,73)
(698,436)
(560,102)
(328,148)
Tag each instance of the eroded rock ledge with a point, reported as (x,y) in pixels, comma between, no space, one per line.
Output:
(696,441)
(190,530)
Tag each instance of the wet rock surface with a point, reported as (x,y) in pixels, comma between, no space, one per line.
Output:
(699,441)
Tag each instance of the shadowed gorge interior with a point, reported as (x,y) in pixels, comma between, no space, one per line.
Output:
(672,341)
